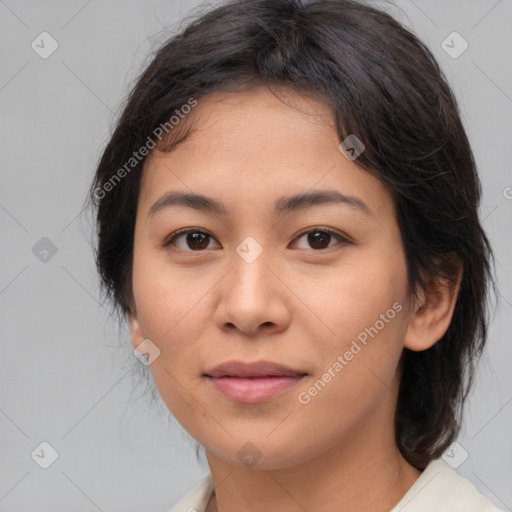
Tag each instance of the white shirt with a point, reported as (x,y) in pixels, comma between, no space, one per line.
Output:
(438,489)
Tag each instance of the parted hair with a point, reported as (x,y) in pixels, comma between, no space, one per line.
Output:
(383,85)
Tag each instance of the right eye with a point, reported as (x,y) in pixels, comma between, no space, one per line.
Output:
(190,240)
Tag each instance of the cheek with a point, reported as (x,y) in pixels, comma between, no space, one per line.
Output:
(358,370)
(353,298)
(173,319)
(364,307)
(165,295)
(172,314)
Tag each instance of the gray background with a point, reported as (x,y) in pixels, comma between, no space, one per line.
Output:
(65,373)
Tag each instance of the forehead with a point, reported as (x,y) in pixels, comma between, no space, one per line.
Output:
(252,146)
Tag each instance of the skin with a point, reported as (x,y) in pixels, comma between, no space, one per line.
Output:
(297,304)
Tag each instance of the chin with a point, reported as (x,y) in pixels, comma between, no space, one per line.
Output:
(261,453)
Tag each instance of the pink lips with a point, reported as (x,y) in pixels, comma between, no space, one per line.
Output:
(253,382)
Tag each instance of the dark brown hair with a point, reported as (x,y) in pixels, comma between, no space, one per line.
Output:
(383,85)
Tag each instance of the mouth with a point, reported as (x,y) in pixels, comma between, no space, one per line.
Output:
(253,382)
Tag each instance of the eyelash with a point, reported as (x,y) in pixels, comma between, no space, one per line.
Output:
(172,239)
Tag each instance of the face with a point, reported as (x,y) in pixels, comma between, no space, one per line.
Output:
(316,284)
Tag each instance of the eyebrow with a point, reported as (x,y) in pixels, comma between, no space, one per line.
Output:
(283,205)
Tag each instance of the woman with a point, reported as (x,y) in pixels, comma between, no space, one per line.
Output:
(287,217)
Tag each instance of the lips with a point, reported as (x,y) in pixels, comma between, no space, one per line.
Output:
(247,370)
(252,383)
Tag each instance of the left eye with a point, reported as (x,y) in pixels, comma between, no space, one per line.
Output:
(320,239)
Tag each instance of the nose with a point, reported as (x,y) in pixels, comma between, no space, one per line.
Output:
(253,300)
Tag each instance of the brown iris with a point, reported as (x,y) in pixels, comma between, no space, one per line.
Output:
(197,240)
(319,239)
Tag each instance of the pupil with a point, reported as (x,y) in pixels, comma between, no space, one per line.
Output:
(197,240)
(318,238)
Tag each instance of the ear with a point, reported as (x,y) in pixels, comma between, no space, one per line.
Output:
(135,329)
(432,311)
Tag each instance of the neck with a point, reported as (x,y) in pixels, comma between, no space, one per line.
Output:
(355,476)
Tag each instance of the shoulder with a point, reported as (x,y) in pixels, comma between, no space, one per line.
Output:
(442,489)
(196,498)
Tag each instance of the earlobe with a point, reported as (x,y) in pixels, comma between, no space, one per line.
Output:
(135,329)
(432,312)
